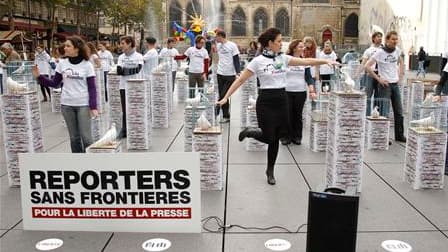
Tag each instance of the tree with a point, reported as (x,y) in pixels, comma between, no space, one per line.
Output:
(52,6)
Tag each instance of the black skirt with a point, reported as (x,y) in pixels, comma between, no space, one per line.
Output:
(272,114)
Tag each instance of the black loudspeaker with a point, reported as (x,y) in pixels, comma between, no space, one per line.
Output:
(332,222)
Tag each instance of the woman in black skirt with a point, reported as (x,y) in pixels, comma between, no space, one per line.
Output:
(272,107)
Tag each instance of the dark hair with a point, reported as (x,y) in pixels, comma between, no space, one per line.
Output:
(268,35)
(79,44)
(128,40)
(171,40)
(293,45)
(253,43)
(103,43)
(221,33)
(376,34)
(389,34)
(198,39)
(92,48)
(151,40)
(61,51)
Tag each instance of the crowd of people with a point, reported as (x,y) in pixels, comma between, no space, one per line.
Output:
(285,80)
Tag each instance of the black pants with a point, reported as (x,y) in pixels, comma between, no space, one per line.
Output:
(296,102)
(105,85)
(123,109)
(174,78)
(224,83)
(272,117)
(392,92)
(43,89)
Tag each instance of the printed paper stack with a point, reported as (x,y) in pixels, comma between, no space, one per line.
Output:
(113,91)
(138,127)
(248,89)
(22,129)
(209,144)
(251,122)
(345,145)
(55,100)
(318,134)
(160,100)
(191,115)
(425,158)
(378,133)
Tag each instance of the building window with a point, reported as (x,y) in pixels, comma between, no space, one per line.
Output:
(282,21)
(351,26)
(222,12)
(238,22)
(260,21)
(175,14)
(316,1)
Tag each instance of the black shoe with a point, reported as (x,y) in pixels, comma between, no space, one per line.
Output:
(390,142)
(296,141)
(243,134)
(285,141)
(270,176)
(122,134)
(401,139)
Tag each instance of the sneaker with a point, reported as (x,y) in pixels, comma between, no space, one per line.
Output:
(296,141)
(224,120)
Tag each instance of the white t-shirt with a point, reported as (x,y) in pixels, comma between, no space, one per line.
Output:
(388,64)
(75,91)
(42,60)
(326,69)
(130,61)
(270,72)
(226,51)
(369,52)
(165,52)
(151,59)
(197,57)
(295,79)
(107,59)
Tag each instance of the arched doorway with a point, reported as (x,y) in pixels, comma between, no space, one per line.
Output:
(327,34)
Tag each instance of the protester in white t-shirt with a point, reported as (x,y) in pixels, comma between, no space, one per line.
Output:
(311,51)
(151,57)
(298,80)
(107,61)
(198,68)
(42,60)
(272,108)
(129,66)
(170,52)
(326,72)
(390,72)
(78,97)
(368,82)
(228,68)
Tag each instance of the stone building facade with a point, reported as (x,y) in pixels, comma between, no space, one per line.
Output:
(335,20)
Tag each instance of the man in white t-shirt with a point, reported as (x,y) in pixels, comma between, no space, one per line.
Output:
(198,68)
(228,68)
(390,73)
(129,66)
(151,57)
(107,61)
(170,51)
(370,84)
(326,72)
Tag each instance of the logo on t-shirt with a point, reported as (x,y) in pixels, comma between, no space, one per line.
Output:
(274,68)
(391,59)
(69,73)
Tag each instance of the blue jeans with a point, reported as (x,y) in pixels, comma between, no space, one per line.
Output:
(421,68)
(371,87)
(79,127)
(392,92)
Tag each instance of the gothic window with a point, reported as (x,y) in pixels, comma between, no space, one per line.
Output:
(282,21)
(351,26)
(260,21)
(238,22)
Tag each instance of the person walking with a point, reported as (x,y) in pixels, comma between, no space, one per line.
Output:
(129,66)
(228,69)
(421,62)
(271,106)
(198,69)
(107,61)
(298,78)
(78,97)
(42,60)
(390,72)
